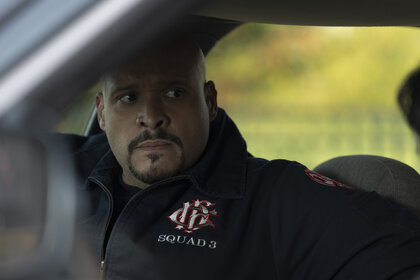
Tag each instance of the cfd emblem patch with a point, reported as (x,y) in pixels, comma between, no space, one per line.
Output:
(193,215)
(324,179)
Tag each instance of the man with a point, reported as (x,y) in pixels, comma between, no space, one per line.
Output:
(164,107)
(175,195)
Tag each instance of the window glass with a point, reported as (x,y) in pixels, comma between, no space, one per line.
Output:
(312,93)
(75,117)
(308,93)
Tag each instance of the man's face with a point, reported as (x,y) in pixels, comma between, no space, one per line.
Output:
(156,113)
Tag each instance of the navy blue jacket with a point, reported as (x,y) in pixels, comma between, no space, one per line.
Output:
(233,216)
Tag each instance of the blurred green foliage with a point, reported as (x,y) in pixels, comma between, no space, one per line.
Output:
(76,116)
(313,93)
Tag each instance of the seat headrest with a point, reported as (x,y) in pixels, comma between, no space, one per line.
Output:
(390,178)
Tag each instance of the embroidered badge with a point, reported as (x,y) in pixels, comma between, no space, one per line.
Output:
(193,215)
(324,179)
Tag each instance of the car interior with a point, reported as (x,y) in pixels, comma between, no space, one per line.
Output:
(61,62)
(389,177)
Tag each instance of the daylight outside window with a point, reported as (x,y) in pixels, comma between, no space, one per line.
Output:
(309,93)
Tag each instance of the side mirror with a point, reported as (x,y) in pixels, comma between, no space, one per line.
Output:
(37,206)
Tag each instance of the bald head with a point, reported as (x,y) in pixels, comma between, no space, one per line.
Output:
(181,55)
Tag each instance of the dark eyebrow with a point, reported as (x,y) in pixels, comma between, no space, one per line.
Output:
(122,88)
(174,82)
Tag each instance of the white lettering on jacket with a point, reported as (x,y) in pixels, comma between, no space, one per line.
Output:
(182,239)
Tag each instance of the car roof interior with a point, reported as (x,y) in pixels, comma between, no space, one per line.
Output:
(320,12)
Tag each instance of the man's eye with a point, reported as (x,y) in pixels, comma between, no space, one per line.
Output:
(175,93)
(128,98)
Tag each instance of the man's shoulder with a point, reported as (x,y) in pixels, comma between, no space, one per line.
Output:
(282,181)
(84,151)
(292,187)
(331,219)
(288,172)
(276,171)
(256,164)
(80,144)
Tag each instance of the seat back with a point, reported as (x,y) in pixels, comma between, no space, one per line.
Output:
(390,178)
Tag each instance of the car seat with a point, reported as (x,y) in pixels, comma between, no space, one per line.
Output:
(390,178)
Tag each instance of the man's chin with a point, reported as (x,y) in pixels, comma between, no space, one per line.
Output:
(156,168)
(151,168)
(153,175)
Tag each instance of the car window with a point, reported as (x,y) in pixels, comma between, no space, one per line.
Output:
(75,117)
(308,93)
(312,93)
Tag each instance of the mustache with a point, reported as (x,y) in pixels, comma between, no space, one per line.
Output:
(158,135)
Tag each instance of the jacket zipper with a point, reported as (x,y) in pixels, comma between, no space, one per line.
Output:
(102,263)
(111,199)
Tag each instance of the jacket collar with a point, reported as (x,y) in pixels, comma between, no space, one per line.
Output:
(220,171)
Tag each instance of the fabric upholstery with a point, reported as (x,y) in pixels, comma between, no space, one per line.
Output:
(390,178)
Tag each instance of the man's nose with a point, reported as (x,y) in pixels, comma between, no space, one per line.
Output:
(152,115)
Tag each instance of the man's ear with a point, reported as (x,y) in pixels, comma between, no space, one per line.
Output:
(100,109)
(211,99)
